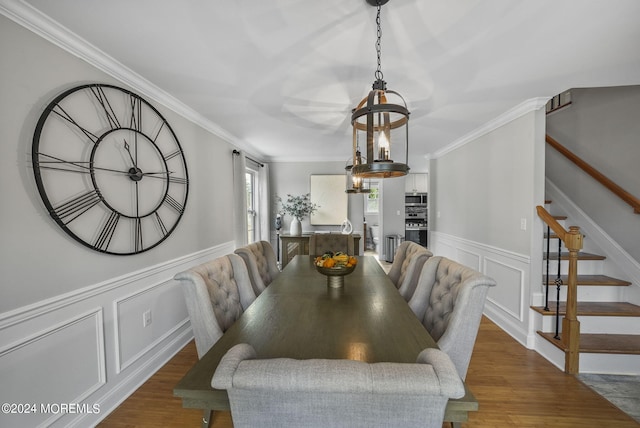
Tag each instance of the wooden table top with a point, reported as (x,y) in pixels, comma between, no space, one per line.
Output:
(299,316)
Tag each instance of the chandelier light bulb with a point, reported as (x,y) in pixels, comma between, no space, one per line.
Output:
(383,146)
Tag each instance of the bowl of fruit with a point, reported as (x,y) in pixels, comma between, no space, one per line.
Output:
(335,266)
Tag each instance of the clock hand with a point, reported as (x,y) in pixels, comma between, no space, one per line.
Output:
(158,173)
(126,146)
(78,164)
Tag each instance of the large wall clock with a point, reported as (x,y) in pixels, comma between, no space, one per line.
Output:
(109,168)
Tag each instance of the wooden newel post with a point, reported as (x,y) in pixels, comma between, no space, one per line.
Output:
(570,323)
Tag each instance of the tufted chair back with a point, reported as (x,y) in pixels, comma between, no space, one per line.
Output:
(284,392)
(320,243)
(407,263)
(261,264)
(449,299)
(216,293)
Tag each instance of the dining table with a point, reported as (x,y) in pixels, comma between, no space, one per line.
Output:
(299,315)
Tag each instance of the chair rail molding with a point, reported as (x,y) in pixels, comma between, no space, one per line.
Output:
(90,346)
(507,301)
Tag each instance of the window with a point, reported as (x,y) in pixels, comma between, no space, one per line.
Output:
(372,199)
(251,180)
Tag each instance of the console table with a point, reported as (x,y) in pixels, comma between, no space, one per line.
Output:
(299,246)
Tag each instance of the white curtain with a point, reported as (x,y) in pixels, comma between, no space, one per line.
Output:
(240,230)
(263,225)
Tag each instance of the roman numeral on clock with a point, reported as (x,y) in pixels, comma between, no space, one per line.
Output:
(106,233)
(109,113)
(74,208)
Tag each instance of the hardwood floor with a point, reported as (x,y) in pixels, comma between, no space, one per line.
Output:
(515,387)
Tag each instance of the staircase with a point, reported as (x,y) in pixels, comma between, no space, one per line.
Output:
(609,326)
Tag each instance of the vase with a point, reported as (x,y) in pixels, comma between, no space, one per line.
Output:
(347,227)
(296,227)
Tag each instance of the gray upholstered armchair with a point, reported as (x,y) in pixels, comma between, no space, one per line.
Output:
(217,293)
(261,264)
(284,392)
(449,299)
(406,267)
(320,243)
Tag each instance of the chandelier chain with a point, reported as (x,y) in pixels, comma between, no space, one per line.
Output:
(378,73)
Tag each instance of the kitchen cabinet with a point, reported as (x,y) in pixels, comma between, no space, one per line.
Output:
(415,183)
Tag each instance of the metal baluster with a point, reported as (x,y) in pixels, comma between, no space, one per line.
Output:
(546,294)
(558,282)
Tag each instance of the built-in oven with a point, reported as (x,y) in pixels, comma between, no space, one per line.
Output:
(415,217)
(416,214)
(416,233)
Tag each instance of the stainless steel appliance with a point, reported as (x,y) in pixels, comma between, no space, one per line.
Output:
(411,199)
(416,218)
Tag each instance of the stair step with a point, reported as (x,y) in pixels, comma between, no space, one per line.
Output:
(599,280)
(560,217)
(601,343)
(581,256)
(605,309)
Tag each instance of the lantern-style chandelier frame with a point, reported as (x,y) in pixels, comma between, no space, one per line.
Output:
(355,183)
(382,119)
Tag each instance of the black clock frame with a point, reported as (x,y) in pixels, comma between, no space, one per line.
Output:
(65,213)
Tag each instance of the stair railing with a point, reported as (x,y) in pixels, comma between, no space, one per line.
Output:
(557,282)
(570,337)
(601,178)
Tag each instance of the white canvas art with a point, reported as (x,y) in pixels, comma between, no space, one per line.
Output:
(328,191)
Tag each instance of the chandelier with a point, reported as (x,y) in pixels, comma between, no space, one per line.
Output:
(381,119)
(355,183)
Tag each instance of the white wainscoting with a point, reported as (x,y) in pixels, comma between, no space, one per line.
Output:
(90,347)
(507,303)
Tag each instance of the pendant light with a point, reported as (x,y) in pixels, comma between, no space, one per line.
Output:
(382,118)
(355,183)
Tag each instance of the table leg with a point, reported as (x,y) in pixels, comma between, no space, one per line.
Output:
(207,417)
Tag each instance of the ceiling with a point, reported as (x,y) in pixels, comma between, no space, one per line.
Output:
(279,77)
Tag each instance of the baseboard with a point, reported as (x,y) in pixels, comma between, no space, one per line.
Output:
(90,347)
(507,303)
(510,326)
(134,380)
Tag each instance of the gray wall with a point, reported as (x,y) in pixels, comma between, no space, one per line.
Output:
(71,325)
(294,178)
(38,259)
(601,126)
(392,218)
(482,190)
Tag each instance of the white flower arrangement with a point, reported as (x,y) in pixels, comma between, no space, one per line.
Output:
(298,206)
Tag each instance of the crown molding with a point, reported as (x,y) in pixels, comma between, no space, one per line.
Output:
(521,109)
(50,30)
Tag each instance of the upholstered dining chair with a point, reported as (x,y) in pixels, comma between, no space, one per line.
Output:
(405,269)
(449,300)
(261,264)
(320,243)
(284,392)
(217,293)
